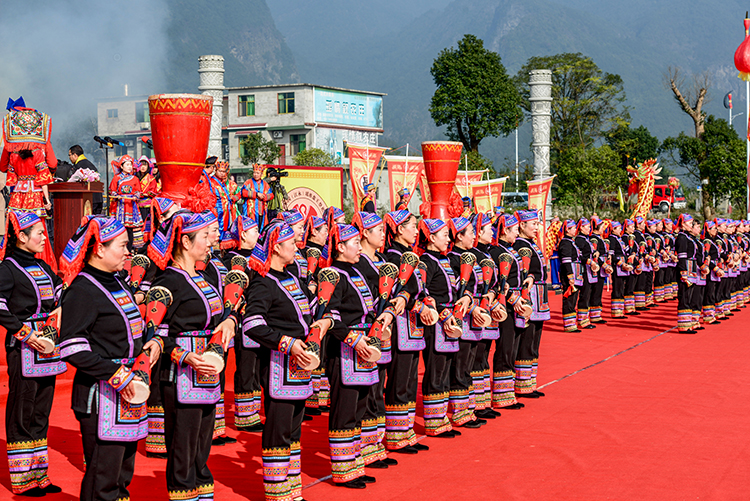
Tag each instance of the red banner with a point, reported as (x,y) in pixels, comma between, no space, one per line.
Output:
(465,179)
(403,172)
(487,195)
(539,191)
(363,160)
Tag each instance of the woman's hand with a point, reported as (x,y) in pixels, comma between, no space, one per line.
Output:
(497,313)
(298,354)
(399,304)
(139,297)
(528,283)
(57,311)
(200,366)
(323,324)
(33,341)
(362,349)
(519,307)
(128,393)
(479,315)
(463,305)
(312,287)
(429,316)
(154,351)
(385,319)
(227,329)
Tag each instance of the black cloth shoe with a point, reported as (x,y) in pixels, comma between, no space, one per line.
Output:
(157,455)
(474,424)
(539,393)
(527,395)
(456,433)
(406,450)
(516,406)
(352,484)
(251,429)
(52,489)
(217,441)
(367,479)
(688,332)
(312,411)
(229,440)
(494,412)
(484,414)
(634,313)
(600,322)
(324,408)
(377,465)
(36,492)
(421,447)
(699,328)
(390,462)
(590,326)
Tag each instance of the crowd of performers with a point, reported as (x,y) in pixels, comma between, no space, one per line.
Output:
(652,261)
(455,287)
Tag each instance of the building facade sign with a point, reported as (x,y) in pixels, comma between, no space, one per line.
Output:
(348,108)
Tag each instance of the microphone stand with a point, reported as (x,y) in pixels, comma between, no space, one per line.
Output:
(106,147)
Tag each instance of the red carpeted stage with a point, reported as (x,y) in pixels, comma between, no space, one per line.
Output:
(633,410)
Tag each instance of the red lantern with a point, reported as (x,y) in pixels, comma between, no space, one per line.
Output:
(742,54)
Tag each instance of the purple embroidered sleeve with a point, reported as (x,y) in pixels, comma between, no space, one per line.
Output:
(74,345)
(254,321)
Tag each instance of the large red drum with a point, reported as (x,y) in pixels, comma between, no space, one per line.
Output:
(441,160)
(180,127)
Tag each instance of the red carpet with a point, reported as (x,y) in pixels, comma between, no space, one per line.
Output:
(663,420)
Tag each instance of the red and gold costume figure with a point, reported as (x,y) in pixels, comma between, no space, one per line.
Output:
(149,188)
(227,195)
(257,194)
(124,192)
(26,150)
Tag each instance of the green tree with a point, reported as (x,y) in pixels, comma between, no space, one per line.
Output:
(717,156)
(632,145)
(255,149)
(475,97)
(586,102)
(313,157)
(474,161)
(585,174)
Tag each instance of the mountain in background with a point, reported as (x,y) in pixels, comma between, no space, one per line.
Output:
(389,46)
(244,32)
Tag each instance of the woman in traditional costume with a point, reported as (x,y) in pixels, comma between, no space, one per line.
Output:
(277,317)
(190,385)
(570,274)
(506,347)
(124,192)
(348,356)
(29,293)
(247,388)
(370,227)
(442,338)
(148,191)
(401,384)
(102,333)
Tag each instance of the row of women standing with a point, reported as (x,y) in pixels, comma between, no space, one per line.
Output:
(372,400)
(705,267)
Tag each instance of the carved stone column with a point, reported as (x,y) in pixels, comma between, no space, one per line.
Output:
(540,83)
(211,71)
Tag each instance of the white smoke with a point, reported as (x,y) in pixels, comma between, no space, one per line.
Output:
(63,55)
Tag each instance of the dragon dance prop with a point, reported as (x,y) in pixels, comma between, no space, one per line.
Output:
(644,176)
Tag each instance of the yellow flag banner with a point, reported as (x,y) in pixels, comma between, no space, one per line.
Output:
(465,179)
(539,191)
(403,172)
(363,160)
(312,189)
(487,194)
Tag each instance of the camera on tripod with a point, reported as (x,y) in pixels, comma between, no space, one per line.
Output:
(277,173)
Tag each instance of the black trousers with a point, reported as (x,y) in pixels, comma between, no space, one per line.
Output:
(109,465)
(584,293)
(188,431)
(461,381)
(436,384)
(26,422)
(696,300)
(504,362)
(401,397)
(597,289)
(348,404)
(247,385)
(281,444)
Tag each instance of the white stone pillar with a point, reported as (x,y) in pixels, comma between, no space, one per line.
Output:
(540,84)
(211,71)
